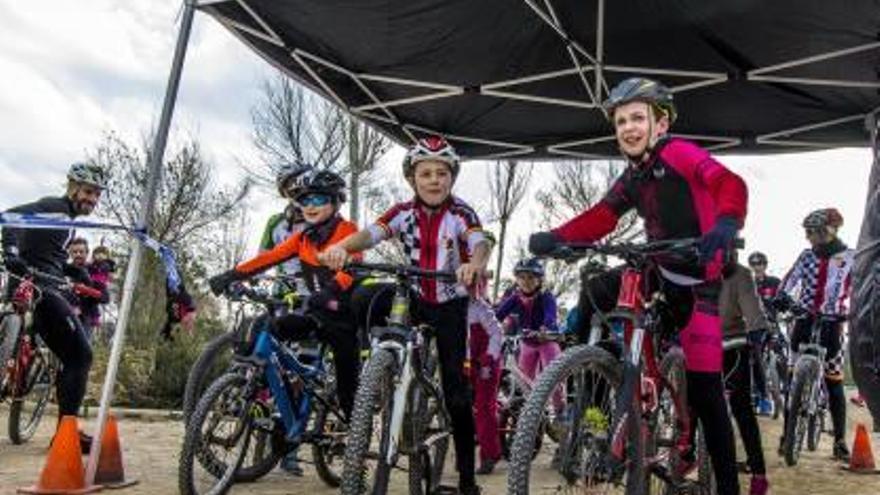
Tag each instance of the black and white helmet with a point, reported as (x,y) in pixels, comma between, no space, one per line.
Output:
(285,179)
(320,182)
(88,173)
(431,148)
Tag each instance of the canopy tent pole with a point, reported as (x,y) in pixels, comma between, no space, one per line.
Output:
(864,342)
(147,206)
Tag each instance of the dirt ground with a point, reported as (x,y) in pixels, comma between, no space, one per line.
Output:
(151,450)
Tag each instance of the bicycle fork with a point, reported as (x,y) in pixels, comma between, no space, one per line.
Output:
(398,408)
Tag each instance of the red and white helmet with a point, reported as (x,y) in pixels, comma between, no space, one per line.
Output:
(431,148)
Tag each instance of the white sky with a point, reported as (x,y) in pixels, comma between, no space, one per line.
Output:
(72,70)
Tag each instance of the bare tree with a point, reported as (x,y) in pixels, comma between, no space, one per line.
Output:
(576,187)
(365,147)
(188,206)
(508,184)
(293,124)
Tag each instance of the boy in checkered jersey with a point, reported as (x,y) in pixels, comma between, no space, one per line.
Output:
(438,231)
(821,281)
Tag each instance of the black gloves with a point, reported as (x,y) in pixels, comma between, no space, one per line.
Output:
(15,264)
(720,238)
(541,243)
(219,283)
(77,274)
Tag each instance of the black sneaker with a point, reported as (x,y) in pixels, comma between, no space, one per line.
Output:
(469,490)
(841,453)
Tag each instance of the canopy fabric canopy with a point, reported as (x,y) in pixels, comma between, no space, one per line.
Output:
(525,78)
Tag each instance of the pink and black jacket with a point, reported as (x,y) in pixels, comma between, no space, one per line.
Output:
(680,193)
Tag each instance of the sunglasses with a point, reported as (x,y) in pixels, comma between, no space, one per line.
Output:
(314,200)
(814,230)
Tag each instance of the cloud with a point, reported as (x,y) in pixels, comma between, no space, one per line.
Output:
(73,70)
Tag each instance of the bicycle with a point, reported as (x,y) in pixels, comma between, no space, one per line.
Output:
(218,352)
(514,389)
(400,391)
(27,366)
(808,397)
(269,396)
(630,429)
(774,355)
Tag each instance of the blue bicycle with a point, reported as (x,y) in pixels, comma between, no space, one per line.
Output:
(268,403)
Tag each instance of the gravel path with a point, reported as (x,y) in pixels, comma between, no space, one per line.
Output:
(151,449)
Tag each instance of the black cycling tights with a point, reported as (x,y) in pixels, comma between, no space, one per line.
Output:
(59,327)
(706,398)
(837,406)
(738,382)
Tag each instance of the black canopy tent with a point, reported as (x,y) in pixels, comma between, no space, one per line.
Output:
(525,79)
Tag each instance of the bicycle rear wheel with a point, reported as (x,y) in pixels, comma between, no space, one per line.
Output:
(31,395)
(366,468)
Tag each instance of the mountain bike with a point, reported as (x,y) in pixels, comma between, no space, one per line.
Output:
(218,352)
(629,428)
(399,399)
(808,397)
(514,389)
(27,366)
(270,398)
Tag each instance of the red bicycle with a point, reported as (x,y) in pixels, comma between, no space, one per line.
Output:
(628,426)
(27,367)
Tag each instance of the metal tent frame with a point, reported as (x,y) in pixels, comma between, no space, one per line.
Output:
(584,63)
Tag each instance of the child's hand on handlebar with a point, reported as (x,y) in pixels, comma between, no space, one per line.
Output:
(334,257)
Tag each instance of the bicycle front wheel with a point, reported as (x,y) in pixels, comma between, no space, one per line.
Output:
(806,372)
(217,437)
(30,396)
(366,468)
(594,377)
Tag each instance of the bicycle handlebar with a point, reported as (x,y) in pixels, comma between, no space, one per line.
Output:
(404,271)
(685,246)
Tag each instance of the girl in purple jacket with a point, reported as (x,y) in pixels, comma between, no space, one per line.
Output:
(531,311)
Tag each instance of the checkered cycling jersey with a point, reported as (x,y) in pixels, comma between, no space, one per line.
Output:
(441,240)
(822,284)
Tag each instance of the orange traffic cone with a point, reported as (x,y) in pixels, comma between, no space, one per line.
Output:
(63,472)
(862,459)
(111,472)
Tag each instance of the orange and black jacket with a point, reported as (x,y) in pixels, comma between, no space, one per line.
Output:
(306,245)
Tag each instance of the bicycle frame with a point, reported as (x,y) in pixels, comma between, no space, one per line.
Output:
(642,380)
(278,365)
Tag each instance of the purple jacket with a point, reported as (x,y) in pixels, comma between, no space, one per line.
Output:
(532,312)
